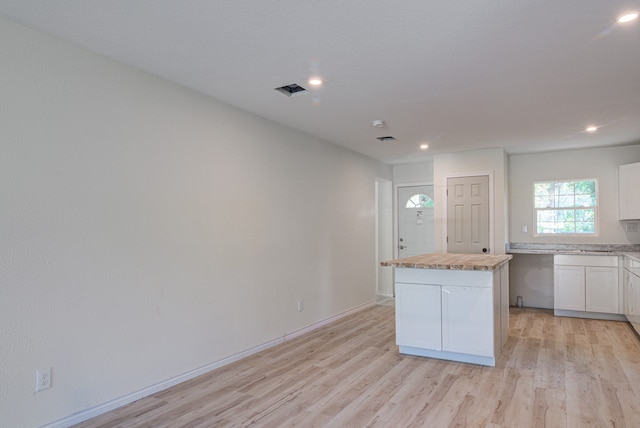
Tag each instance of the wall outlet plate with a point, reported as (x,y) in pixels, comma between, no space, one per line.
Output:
(632,227)
(43,379)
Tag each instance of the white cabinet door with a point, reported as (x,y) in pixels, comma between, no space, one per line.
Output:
(569,290)
(629,197)
(418,316)
(602,289)
(634,301)
(467,320)
(627,295)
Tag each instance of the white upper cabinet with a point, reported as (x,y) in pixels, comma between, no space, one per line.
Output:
(629,191)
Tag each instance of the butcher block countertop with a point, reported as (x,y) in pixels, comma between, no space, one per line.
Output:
(451,261)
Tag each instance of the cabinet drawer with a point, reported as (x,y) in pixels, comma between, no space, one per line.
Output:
(470,278)
(580,260)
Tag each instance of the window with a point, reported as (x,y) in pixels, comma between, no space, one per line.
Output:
(419,201)
(565,207)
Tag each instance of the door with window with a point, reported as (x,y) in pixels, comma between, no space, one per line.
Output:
(468,214)
(415,220)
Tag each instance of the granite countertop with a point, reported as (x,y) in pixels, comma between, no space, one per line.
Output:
(451,261)
(583,249)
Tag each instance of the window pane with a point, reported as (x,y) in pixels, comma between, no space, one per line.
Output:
(583,227)
(544,201)
(566,201)
(586,187)
(585,200)
(566,188)
(544,189)
(585,215)
(546,216)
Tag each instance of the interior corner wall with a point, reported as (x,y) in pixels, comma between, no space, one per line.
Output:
(472,163)
(148,230)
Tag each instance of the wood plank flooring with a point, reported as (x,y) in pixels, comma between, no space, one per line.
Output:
(554,372)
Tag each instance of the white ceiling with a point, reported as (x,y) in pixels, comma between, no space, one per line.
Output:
(460,75)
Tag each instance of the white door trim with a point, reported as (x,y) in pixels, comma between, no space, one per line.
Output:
(491,207)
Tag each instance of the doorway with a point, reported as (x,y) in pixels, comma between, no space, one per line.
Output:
(415,220)
(468,214)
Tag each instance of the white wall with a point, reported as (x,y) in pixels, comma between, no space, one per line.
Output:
(147,230)
(492,161)
(413,173)
(601,164)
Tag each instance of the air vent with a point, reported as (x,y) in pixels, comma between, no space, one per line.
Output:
(292,90)
(387,139)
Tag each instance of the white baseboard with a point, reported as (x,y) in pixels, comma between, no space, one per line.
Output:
(385,295)
(92,412)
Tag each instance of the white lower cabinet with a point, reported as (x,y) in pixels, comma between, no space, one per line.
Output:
(461,305)
(586,284)
(601,291)
(452,314)
(632,292)
(569,287)
(420,323)
(448,318)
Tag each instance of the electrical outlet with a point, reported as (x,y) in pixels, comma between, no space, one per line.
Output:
(632,227)
(43,379)
(524,228)
(300,305)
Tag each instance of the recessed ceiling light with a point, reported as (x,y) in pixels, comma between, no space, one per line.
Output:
(628,17)
(592,128)
(315,81)
(424,146)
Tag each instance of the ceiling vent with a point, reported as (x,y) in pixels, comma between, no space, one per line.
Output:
(387,139)
(292,90)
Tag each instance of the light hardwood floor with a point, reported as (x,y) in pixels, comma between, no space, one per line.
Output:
(553,372)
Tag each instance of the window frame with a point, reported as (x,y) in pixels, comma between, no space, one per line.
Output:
(596,215)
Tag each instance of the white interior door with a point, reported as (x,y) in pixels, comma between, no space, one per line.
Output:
(415,220)
(468,214)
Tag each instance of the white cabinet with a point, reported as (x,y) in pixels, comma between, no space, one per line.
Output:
(452,314)
(628,191)
(632,292)
(586,284)
(602,290)
(419,321)
(467,303)
(569,287)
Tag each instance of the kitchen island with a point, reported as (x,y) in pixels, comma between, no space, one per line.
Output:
(452,306)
